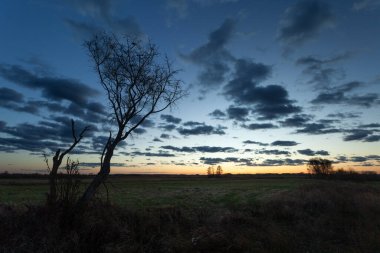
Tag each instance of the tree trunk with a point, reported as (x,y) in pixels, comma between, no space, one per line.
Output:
(52,196)
(98,180)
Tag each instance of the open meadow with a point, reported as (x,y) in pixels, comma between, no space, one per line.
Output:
(196,214)
(147,191)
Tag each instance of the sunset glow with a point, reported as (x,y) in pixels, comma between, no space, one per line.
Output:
(270,85)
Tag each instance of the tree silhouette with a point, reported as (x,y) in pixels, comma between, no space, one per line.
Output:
(219,171)
(137,82)
(57,161)
(210,171)
(319,167)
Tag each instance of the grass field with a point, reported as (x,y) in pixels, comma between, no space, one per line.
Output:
(196,214)
(159,191)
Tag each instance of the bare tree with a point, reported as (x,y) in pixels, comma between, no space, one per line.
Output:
(319,167)
(137,85)
(210,171)
(219,171)
(57,160)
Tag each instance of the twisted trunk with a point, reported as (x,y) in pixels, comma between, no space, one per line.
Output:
(101,176)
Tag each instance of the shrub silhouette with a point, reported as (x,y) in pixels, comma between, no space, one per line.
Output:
(320,167)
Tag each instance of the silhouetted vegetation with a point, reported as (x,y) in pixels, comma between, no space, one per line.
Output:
(212,172)
(57,161)
(137,84)
(320,167)
(352,175)
(327,216)
(68,185)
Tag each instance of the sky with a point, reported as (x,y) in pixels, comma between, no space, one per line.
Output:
(271,84)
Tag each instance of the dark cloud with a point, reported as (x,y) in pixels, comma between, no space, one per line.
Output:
(284,143)
(177,149)
(168,127)
(170,119)
(317,128)
(372,125)
(212,161)
(217,160)
(372,138)
(149,154)
(341,158)
(13,100)
(273,152)
(52,88)
(309,152)
(208,149)
(373,157)
(98,143)
(282,162)
(193,123)
(237,113)
(197,128)
(203,149)
(157,140)
(218,114)
(139,131)
(298,120)
(341,115)
(94,107)
(10,96)
(257,126)
(213,57)
(323,72)
(358,159)
(364,135)
(303,21)
(46,135)
(246,76)
(267,102)
(147,123)
(11,145)
(338,95)
(357,134)
(95,165)
(255,142)
(165,136)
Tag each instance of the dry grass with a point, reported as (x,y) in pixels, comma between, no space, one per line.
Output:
(326,216)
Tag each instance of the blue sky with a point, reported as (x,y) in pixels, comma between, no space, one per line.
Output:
(271,84)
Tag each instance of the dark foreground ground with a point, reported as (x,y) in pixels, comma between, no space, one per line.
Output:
(196,214)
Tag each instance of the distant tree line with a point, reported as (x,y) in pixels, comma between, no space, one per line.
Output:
(322,168)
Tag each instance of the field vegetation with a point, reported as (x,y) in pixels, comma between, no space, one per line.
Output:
(268,213)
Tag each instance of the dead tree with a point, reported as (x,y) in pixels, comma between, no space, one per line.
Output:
(137,82)
(57,160)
